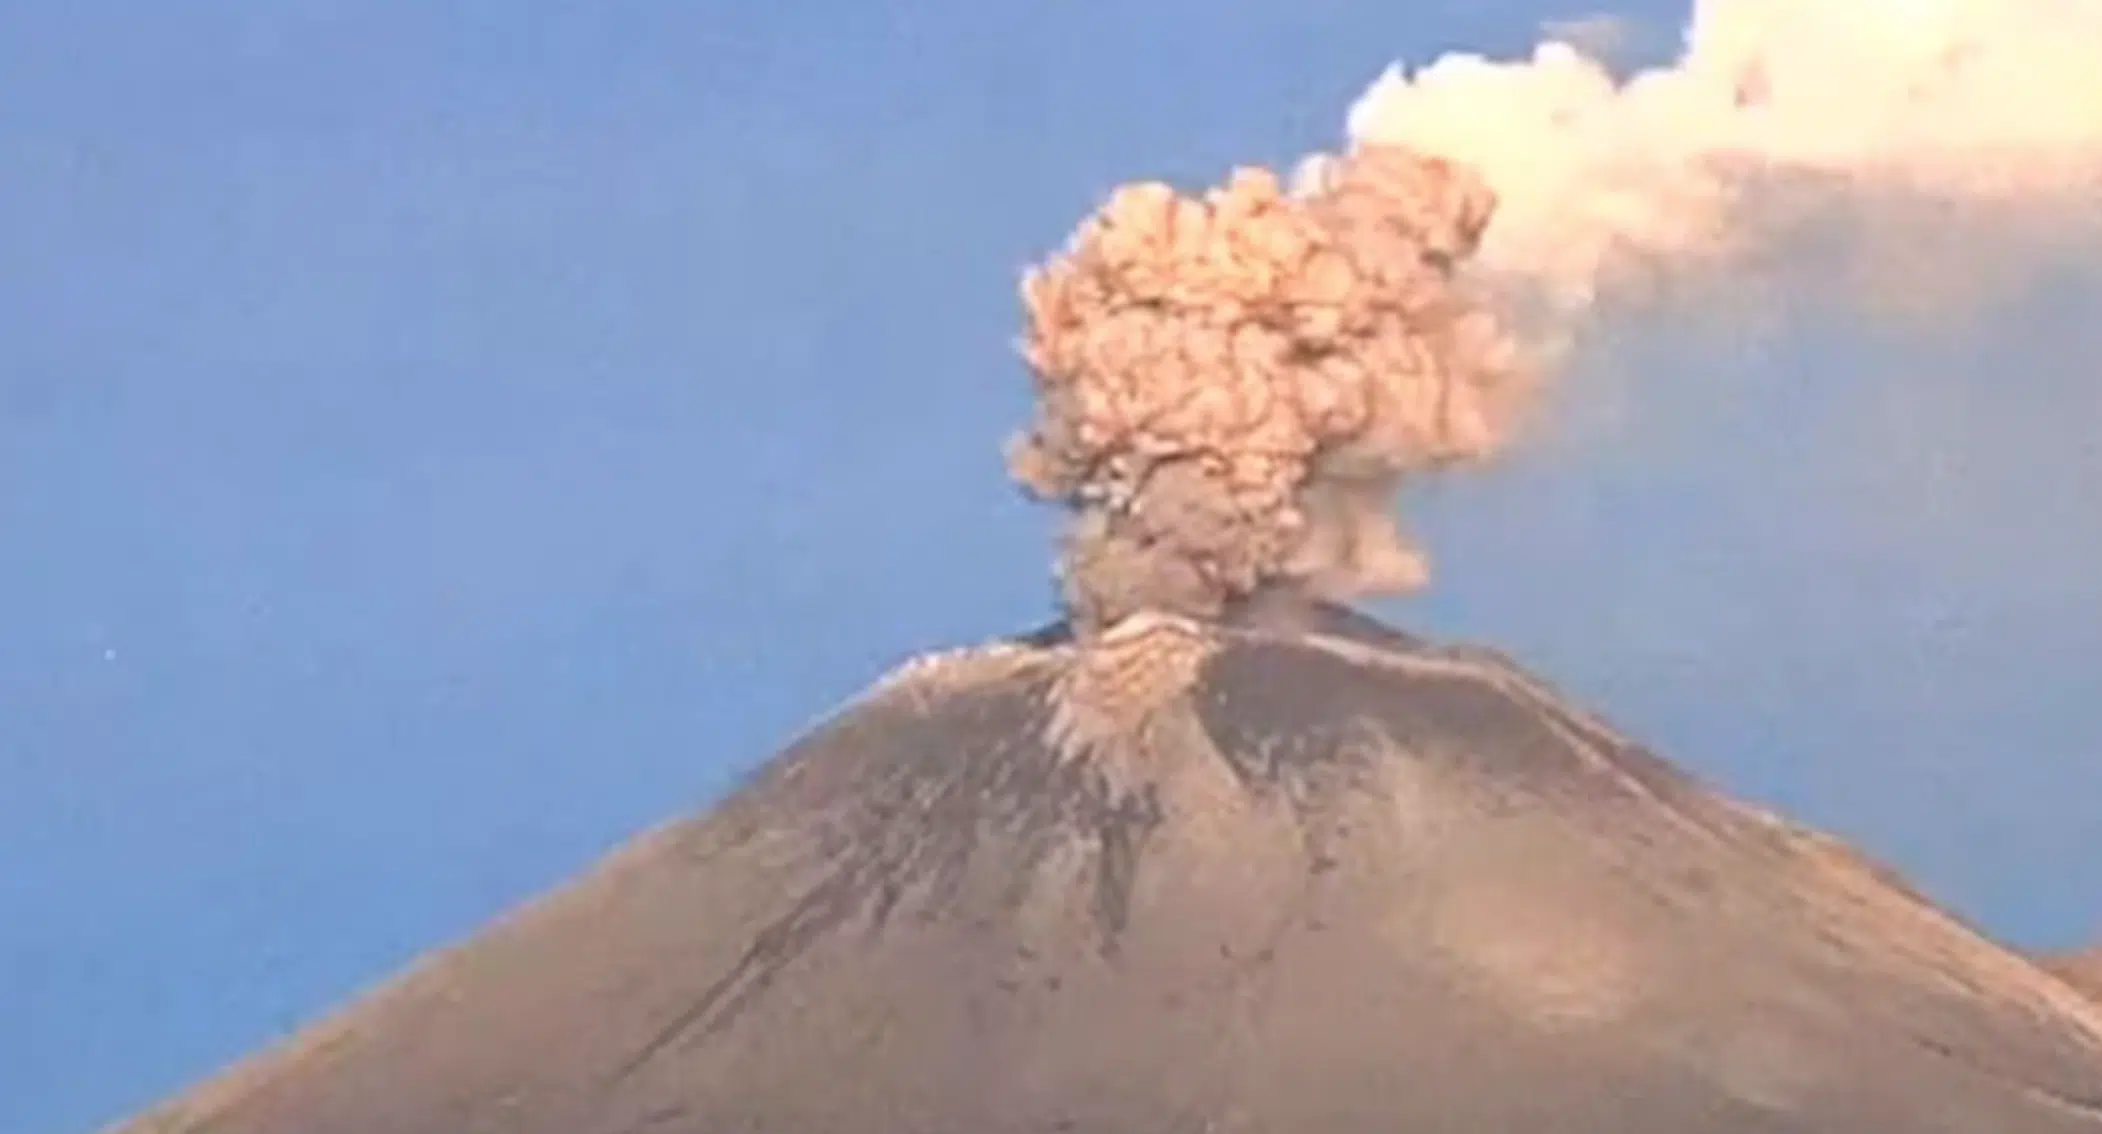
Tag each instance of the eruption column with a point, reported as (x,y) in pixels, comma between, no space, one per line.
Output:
(1231,389)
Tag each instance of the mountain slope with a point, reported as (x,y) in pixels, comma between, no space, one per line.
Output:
(2081,970)
(1299,874)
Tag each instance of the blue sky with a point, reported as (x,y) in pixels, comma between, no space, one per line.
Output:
(437,441)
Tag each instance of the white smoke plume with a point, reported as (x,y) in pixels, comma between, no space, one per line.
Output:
(1896,131)
(1230,390)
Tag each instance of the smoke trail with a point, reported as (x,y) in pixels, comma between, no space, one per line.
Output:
(1231,390)
(1894,133)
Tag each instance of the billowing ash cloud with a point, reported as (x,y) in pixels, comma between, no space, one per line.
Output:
(1232,388)
(1879,128)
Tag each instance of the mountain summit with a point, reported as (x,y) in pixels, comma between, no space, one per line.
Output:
(1290,872)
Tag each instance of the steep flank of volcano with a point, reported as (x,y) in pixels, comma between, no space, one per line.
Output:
(1299,874)
(2082,970)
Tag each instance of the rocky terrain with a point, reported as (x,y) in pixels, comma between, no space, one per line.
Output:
(1293,872)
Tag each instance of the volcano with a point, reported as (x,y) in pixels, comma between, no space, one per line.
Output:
(1290,871)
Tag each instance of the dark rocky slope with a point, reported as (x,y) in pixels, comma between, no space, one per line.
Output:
(1305,874)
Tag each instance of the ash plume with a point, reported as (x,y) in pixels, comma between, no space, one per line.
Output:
(1906,139)
(1231,388)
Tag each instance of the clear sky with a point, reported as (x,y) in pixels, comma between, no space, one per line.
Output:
(438,440)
